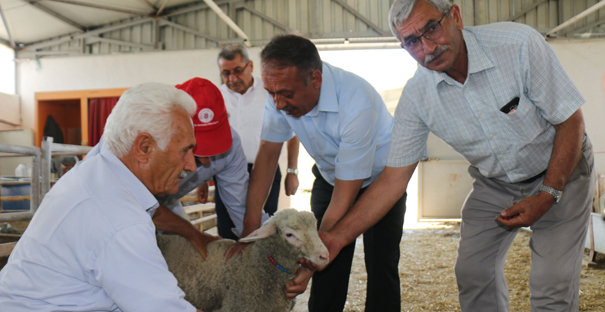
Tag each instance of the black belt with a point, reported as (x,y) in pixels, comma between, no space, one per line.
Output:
(534,178)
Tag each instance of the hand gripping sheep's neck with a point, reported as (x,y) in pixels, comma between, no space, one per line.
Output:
(254,280)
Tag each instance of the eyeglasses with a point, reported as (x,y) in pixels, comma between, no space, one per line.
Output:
(434,31)
(237,71)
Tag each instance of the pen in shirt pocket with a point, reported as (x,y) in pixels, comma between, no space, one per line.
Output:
(511,107)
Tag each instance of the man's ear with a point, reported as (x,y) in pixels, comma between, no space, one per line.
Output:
(456,16)
(143,146)
(251,65)
(316,79)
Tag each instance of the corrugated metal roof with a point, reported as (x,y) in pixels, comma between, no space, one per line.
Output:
(72,27)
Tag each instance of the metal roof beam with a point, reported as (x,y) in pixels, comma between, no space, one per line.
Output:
(164,22)
(6,43)
(194,8)
(29,54)
(149,4)
(8,31)
(242,5)
(574,19)
(527,9)
(86,34)
(214,7)
(161,8)
(103,7)
(586,27)
(95,39)
(362,18)
(55,14)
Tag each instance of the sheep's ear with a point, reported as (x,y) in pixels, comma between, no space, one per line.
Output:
(263,232)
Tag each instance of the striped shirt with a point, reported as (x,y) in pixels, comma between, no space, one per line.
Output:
(506,61)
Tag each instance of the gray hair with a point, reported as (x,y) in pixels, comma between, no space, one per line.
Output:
(231,51)
(401,9)
(145,108)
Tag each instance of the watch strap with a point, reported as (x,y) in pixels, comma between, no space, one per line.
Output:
(552,191)
(293,171)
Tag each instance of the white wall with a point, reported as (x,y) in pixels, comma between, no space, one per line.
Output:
(584,61)
(113,71)
(120,71)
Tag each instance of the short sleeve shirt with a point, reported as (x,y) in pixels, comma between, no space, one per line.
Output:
(347,133)
(508,63)
(91,246)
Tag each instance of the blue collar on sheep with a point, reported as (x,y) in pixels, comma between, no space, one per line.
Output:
(279,266)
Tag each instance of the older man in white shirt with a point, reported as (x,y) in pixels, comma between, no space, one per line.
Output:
(91,245)
(245,99)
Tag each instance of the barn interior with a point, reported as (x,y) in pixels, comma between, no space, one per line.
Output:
(67,60)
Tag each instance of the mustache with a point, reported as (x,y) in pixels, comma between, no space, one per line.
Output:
(183,174)
(430,57)
(288,109)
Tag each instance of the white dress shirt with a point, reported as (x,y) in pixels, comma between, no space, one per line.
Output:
(246,112)
(91,246)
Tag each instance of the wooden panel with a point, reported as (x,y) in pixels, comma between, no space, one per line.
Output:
(69,109)
(84,120)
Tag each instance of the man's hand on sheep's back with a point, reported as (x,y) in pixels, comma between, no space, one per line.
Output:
(234,250)
(200,240)
(298,284)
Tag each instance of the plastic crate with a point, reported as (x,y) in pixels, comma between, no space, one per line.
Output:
(16,190)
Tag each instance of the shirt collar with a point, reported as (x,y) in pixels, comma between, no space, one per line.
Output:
(140,191)
(477,59)
(328,101)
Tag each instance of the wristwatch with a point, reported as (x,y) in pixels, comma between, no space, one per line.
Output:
(552,191)
(293,171)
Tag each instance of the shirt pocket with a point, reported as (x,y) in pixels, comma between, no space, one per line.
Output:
(524,121)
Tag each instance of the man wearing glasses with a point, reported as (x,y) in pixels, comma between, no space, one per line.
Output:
(498,95)
(245,99)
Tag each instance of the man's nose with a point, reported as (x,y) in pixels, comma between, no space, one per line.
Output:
(428,46)
(279,103)
(232,78)
(190,162)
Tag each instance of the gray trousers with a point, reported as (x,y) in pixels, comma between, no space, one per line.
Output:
(557,242)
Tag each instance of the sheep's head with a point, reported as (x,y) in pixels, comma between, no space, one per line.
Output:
(299,229)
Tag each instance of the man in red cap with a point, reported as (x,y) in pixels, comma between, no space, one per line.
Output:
(218,153)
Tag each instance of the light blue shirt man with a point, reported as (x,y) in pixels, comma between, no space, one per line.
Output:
(91,247)
(347,133)
(503,66)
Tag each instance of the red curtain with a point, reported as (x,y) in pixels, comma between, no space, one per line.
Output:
(98,111)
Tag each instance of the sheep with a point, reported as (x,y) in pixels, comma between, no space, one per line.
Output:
(253,280)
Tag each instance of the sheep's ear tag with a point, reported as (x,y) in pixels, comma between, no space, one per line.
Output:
(263,232)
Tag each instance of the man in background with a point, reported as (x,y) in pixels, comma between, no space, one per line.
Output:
(245,99)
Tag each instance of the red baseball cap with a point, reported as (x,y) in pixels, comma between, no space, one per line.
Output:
(210,121)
